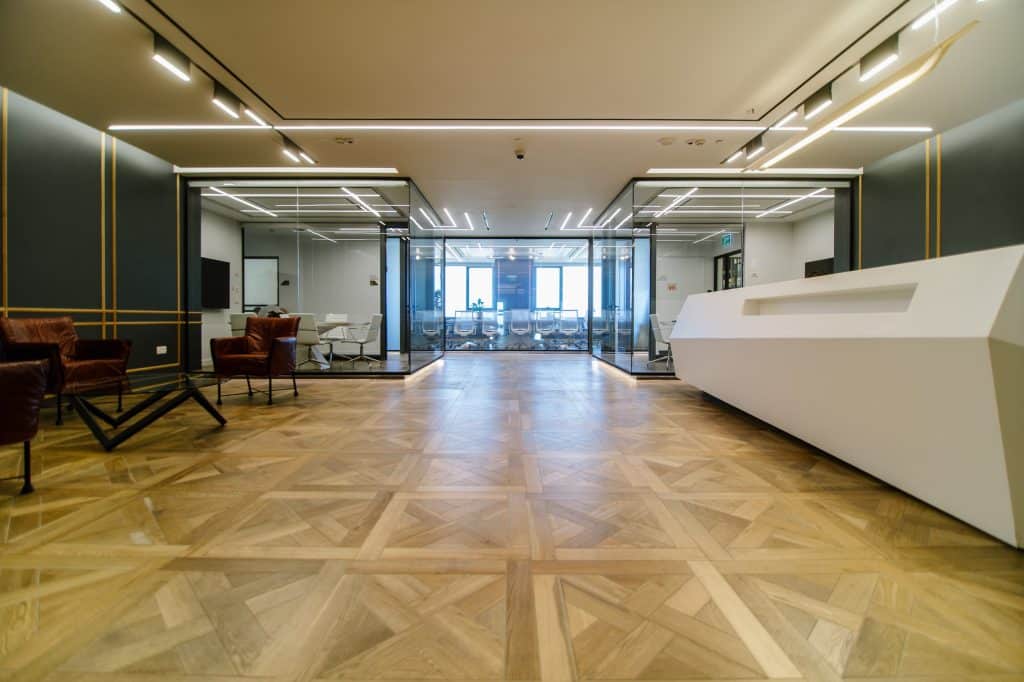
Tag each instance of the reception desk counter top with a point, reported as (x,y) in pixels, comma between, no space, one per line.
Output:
(912,372)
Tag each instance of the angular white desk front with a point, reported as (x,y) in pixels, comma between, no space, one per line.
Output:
(912,372)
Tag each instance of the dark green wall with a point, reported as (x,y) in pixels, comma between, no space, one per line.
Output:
(952,193)
(91,232)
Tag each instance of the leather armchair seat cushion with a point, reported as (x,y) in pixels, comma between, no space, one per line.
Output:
(22,385)
(254,364)
(82,375)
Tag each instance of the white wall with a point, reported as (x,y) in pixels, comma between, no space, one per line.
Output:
(768,253)
(221,239)
(681,270)
(813,239)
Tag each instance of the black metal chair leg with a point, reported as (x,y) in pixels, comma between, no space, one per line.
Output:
(27,488)
(295,387)
(219,401)
(60,410)
(270,390)
(120,395)
(248,384)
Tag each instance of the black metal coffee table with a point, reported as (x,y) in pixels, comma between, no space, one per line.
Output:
(162,393)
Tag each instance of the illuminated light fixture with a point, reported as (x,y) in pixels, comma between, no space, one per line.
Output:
(610,218)
(356,198)
(755,147)
(935,11)
(307,158)
(226,101)
(263,170)
(469,221)
(290,154)
(713,234)
(785,119)
(255,117)
(584,218)
(566,127)
(171,58)
(878,59)
(186,127)
(738,171)
(433,223)
(881,92)
(678,200)
(333,241)
(251,205)
(735,155)
(818,102)
(111,5)
(568,216)
(789,203)
(451,220)
(623,221)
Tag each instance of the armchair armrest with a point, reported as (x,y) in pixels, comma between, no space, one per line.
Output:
(229,345)
(102,349)
(19,352)
(282,355)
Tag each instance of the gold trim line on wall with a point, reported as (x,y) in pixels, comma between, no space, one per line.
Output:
(860,222)
(938,195)
(927,198)
(113,231)
(122,311)
(103,232)
(3,201)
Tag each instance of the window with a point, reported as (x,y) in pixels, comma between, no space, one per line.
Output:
(481,286)
(574,288)
(548,288)
(454,289)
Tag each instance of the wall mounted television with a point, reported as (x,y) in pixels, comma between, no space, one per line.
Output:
(216,290)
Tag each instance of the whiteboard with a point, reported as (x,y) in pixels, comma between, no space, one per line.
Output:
(260,281)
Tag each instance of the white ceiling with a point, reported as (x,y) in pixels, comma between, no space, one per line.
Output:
(672,61)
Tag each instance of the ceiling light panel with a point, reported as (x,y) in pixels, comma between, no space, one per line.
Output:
(171,58)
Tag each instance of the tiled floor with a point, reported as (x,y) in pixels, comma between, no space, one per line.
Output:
(501,516)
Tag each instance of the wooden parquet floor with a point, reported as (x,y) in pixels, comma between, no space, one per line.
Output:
(502,516)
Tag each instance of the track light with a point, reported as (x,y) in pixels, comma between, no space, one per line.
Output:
(111,5)
(306,157)
(735,155)
(171,58)
(879,58)
(226,101)
(755,147)
(785,119)
(818,102)
(935,11)
(255,117)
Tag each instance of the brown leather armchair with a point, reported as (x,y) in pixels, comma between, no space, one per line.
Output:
(75,365)
(22,387)
(266,350)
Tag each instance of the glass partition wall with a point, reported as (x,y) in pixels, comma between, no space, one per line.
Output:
(333,252)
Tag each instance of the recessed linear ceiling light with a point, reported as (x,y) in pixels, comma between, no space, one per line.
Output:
(190,127)
(171,58)
(778,209)
(935,11)
(766,171)
(785,119)
(111,5)
(359,201)
(713,234)
(879,93)
(584,218)
(290,154)
(623,221)
(818,102)
(610,218)
(469,221)
(701,211)
(226,101)
(878,59)
(678,200)
(735,155)
(307,158)
(755,147)
(264,170)
(255,117)
(565,222)
(511,127)
(251,205)
(321,235)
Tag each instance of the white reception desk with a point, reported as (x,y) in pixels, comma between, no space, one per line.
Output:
(912,372)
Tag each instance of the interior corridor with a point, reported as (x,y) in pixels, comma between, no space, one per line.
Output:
(497,516)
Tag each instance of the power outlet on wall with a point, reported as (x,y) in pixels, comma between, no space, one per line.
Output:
(161,350)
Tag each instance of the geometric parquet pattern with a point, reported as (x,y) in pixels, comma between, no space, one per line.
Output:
(500,516)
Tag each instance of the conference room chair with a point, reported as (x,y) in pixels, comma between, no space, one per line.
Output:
(660,339)
(430,324)
(238,323)
(362,335)
(519,327)
(568,327)
(336,334)
(489,326)
(74,365)
(544,323)
(266,351)
(599,328)
(465,327)
(308,338)
(22,387)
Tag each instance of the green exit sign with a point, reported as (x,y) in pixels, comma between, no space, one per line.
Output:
(726,239)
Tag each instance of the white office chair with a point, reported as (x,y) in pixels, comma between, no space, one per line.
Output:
(568,326)
(599,328)
(362,335)
(465,327)
(338,334)
(519,326)
(659,338)
(430,324)
(544,323)
(238,323)
(308,337)
(489,326)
